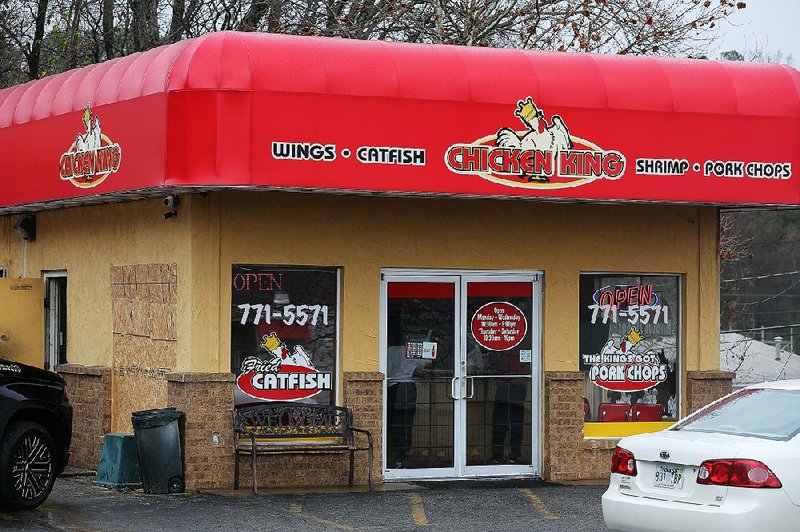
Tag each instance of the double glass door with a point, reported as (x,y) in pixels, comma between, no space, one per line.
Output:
(461,358)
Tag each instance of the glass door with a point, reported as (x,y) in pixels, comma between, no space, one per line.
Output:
(460,353)
(498,364)
(421,349)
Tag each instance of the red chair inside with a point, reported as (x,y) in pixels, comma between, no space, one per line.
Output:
(647,412)
(613,412)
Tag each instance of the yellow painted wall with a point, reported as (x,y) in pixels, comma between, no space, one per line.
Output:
(10,246)
(86,241)
(362,235)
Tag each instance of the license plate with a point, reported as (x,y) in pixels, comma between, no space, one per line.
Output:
(668,477)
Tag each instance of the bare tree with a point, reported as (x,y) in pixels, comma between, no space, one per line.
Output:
(38,35)
(22,24)
(46,36)
(144,14)
(176,24)
(108,28)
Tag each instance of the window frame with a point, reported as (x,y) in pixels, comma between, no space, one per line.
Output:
(337,393)
(605,430)
(52,329)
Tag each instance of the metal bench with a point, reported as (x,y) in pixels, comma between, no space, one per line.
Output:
(264,428)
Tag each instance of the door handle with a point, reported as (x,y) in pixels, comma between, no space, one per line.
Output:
(453,388)
(470,387)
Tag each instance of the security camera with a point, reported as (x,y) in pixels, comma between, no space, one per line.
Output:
(26,227)
(171,201)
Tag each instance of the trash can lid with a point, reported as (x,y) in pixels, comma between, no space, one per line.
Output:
(148,419)
(152,411)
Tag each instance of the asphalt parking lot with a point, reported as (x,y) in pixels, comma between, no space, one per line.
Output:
(77,505)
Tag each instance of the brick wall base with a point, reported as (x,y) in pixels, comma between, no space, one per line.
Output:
(703,387)
(207,400)
(363,393)
(567,456)
(89,391)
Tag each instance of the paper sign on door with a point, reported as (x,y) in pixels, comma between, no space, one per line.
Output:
(423,350)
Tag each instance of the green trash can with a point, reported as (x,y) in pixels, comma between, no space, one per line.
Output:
(119,463)
(158,444)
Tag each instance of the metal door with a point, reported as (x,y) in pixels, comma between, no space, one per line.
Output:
(21,321)
(420,353)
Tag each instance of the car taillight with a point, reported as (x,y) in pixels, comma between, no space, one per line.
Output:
(623,462)
(739,473)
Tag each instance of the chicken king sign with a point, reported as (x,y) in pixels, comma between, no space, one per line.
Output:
(92,157)
(544,156)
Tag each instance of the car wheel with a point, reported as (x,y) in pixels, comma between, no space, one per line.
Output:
(27,466)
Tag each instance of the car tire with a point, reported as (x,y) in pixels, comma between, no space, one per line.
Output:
(27,466)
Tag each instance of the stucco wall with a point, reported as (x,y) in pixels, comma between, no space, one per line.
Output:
(86,242)
(362,235)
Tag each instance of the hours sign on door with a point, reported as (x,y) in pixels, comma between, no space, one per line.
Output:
(499,326)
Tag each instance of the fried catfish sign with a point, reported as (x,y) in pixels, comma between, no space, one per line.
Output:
(92,157)
(544,156)
(288,376)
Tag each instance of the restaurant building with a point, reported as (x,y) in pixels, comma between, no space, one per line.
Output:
(501,260)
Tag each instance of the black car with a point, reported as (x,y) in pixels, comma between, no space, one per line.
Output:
(35,433)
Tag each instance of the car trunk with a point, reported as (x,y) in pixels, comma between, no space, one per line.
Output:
(667,465)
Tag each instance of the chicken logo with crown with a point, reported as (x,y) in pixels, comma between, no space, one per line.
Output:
(92,157)
(287,376)
(297,357)
(541,136)
(626,345)
(91,140)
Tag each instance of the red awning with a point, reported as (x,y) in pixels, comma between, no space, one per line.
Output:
(320,114)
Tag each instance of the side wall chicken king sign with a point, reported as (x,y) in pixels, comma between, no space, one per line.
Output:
(92,157)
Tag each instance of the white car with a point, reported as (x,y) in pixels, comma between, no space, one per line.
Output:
(733,465)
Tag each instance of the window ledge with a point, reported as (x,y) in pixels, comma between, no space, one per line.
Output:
(592,430)
(600,444)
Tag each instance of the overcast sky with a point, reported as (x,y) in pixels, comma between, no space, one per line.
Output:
(768,25)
